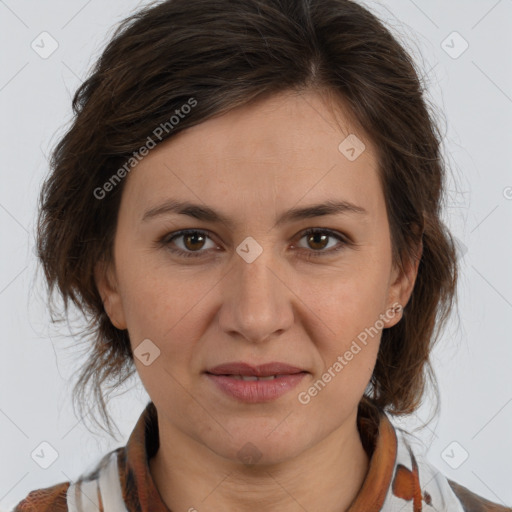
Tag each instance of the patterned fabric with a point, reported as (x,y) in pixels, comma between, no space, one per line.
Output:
(398,479)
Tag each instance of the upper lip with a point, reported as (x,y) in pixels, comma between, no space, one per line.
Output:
(262,370)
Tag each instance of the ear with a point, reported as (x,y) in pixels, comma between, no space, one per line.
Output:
(106,282)
(401,286)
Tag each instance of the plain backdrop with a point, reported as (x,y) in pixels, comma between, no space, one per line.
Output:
(463,50)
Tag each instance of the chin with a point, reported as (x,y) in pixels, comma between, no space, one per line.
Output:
(260,445)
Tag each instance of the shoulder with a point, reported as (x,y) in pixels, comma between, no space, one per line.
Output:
(45,500)
(416,478)
(68,495)
(472,502)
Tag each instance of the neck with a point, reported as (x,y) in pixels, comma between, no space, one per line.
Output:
(326,476)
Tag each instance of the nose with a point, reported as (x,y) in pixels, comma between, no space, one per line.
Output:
(257,301)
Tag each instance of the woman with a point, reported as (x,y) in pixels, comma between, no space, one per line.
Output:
(247,206)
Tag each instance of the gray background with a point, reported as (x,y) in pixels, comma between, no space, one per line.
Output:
(473,358)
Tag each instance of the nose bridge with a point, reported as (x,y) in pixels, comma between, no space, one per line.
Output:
(257,304)
(256,285)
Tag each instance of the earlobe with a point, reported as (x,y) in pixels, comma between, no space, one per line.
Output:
(393,314)
(108,290)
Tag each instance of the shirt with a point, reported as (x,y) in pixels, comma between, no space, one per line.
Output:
(398,478)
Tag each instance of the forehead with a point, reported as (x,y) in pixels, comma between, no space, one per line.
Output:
(282,147)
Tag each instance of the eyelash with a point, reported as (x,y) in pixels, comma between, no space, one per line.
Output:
(167,239)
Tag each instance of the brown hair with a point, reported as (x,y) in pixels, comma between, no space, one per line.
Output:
(224,54)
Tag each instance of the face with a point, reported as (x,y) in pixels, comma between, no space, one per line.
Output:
(279,278)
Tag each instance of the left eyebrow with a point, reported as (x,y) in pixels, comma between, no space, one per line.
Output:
(205,213)
(319,210)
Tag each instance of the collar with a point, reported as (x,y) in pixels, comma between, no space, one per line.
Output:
(141,494)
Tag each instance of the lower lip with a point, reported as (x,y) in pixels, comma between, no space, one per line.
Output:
(256,390)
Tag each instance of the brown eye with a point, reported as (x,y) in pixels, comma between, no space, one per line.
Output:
(317,240)
(322,242)
(193,241)
(188,243)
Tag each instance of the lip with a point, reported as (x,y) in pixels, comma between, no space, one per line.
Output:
(224,377)
(262,370)
(256,391)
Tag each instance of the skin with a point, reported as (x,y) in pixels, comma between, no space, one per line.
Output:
(252,164)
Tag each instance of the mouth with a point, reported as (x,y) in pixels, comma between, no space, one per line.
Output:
(242,369)
(253,384)
(248,378)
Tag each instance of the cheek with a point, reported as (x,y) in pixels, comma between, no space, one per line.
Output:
(173,313)
(348,346)
(156,297)
(351,299)
(353,341)
(348,308)
(169,312)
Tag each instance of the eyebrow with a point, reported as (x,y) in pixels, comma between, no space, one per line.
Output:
(205,213)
